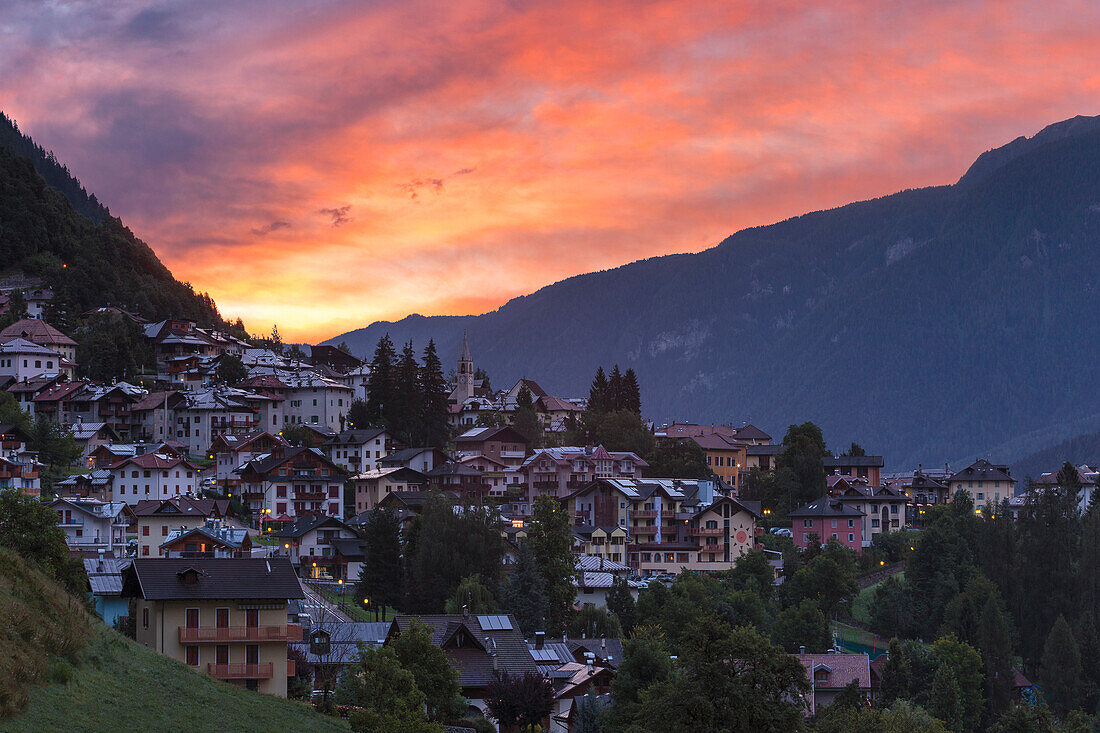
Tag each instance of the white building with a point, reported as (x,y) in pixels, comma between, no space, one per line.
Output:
(154,476)
(90,524)
(22,360)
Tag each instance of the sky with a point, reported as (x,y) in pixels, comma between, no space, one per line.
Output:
(321,165)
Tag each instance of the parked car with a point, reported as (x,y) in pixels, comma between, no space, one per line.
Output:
(782,531)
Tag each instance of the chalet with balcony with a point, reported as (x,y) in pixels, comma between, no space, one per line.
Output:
(26,392)
(607,542)
(724,531)
(159,520)
(371,487)
(215,538)
(358,451)
(826,518)
(91,435)
(470,484)
(319,546)
(231,451)
(91,525)
(562,471)
(92,485)
(152,476)
(292,482)
(503,444)
(222,616)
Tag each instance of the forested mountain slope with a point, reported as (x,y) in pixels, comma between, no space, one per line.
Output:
(934,324)
(51,228)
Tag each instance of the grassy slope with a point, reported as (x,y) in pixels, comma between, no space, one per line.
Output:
(121,686)
(110,682)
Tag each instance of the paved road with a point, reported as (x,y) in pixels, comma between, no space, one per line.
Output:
(319,609)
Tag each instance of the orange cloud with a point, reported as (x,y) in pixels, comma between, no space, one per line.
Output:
(324,165)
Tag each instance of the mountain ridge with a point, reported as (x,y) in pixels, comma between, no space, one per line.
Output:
(839,316)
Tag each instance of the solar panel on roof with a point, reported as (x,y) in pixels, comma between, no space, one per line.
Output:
(495,623)
(544,655)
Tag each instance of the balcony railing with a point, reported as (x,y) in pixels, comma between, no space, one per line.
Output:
(222,634)
(643,513)
(512,454)
(706,532)
(644,530)
(309,495)
(241,671)
(716,549)
(545,485)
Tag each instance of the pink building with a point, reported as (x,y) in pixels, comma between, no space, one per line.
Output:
(828,517)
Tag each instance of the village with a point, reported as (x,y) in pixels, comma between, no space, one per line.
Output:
(231,512)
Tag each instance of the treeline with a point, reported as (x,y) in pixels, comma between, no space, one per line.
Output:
(1022,593)
(406,397)
(51,229)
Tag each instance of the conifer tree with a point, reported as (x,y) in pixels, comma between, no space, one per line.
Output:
(404,417)
(433,405)
(621,603)
(615,390)
(598,394)
(551,543)
(996,652)
(897,676)
(632,393)
(526,420)
(381,382)
(944,700)
(1061,668)
(524,593)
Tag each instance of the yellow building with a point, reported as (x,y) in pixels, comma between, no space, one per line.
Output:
(225,617)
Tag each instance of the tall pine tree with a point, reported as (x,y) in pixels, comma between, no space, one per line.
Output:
(433,405)
(382,576)
(551,543)
(1061,668)
(524,593)
(996,649)
(598,395)
(632,393)
(380,384)
(404,417)
(615,389)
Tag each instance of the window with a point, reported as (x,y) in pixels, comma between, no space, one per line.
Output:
(164,530)
(145,617)
(192,655)
(834,526)
(145,549)
(851,537)
(851,522)
(145,531)
(981,496)
(807,523)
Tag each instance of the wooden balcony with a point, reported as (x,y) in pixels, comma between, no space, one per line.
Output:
(241,671)
(643,530)
(719,550)
(643,513)
(223,634)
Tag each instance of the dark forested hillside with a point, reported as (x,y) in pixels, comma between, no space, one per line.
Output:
(930,325)
(51,228)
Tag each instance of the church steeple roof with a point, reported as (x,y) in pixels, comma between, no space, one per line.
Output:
(464,354)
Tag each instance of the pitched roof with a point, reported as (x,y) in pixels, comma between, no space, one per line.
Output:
(177,506)
(479,435)
(36,330)
(497,648)
(717,441)
(301,526)
(750,432)
(826,506)
(355,437)
(982,470)
(842,668)
(752,507)
(164,579)
(155,461)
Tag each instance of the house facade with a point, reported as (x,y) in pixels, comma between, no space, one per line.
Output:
(152,476)
(292,482)
(826,518)
(226,617)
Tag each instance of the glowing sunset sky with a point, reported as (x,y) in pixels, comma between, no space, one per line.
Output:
(322,165)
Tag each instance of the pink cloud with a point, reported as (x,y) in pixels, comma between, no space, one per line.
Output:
(474,151)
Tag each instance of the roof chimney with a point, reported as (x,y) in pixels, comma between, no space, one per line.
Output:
(540,639)
(802,650)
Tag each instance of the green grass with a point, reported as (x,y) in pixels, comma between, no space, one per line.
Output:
(118,685)
(861,606)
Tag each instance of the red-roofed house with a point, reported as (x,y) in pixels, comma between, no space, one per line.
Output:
(829,674)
